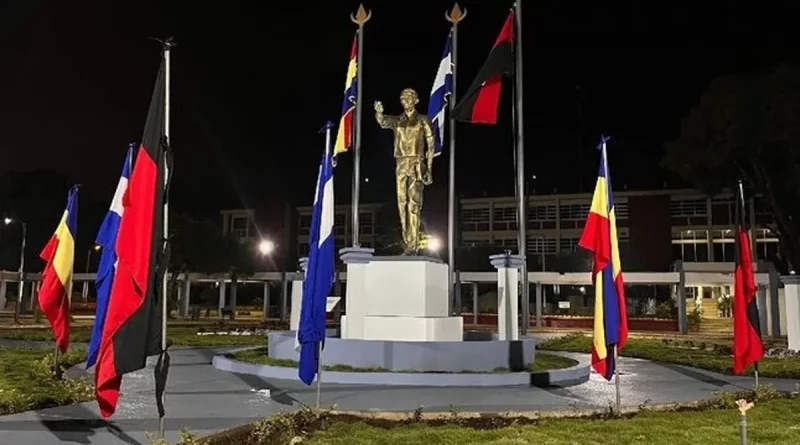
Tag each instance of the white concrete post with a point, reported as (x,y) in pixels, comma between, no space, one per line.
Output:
(791,287)
(297,295)
(265,304)
(508,267)
(187,295)
(221,304)
(356,260)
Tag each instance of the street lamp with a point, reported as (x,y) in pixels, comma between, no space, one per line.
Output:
(8,221)
(266,247)
(95,248)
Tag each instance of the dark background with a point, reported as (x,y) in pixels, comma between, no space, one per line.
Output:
(254,81)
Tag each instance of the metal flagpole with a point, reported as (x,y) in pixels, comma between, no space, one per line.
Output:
(361,17)
(616,376)
(520,146)
(164,309)
(319,351)
(455,16)
(319,372)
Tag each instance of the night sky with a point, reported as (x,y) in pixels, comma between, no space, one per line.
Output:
(252,85)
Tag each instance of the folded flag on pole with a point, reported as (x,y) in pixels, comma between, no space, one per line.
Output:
(107,238)
(747,345)
(59,253)
(480,103)
(600,237)
(132,329)
(442,89)
(320,273)
(344,137)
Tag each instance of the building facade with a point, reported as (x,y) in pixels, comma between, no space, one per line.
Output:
(658,227)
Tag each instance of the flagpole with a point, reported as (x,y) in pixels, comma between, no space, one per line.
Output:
(520,147)
(616,378)
(328,127)
(454,16)
(164,307)
(756,374)
(360,18)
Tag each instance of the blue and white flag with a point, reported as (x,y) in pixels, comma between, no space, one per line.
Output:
(320,272)
(442,88)
(107,238)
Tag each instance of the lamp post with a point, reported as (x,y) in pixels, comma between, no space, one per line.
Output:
(95,248)
(21,282)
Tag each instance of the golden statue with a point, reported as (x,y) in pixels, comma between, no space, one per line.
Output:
(413,150)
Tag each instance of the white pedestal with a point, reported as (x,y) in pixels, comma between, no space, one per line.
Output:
(414,328)
(356,259)
(406,288)
(508,267)
(791,286)
(398,298)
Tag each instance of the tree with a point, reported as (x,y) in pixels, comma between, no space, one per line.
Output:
(199,247)
(747,126)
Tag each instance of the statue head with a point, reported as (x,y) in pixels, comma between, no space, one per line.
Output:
(409,99)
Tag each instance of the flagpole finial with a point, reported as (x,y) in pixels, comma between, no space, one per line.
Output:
(362,15)
(166,44)
(328,125)
(603,140)
(456,14)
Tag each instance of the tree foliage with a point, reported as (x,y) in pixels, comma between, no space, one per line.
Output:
(747,126)
(198,246)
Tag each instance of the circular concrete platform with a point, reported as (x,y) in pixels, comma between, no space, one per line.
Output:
(477,354)
(575,375)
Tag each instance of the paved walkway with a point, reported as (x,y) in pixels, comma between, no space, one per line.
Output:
(204,400)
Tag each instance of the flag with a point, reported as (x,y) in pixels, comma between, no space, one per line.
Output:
(442,88)
(132,329)
(319,275)
(344,137)
(107,238)
(479,104)
(600,237)
(747,345)
(59,253)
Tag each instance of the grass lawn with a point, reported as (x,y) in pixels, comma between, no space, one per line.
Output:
(543,362)
(27,382)
(181,336)
(774,422)
(698,354)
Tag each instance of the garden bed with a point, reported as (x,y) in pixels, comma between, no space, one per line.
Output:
(707,355)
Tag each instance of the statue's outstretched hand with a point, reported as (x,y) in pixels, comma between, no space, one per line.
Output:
(378,106)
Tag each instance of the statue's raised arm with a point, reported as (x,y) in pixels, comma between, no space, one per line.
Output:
(388,122)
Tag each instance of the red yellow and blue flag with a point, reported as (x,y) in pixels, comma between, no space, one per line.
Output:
(59,253)
(600,237)
(344,136)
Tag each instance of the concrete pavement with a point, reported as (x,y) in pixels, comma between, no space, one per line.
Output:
(205,400)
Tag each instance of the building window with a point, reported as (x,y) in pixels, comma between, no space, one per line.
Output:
(475,219)
(539,245)
(239,227)
(688,208)
(505,214)
(475,215)
(569,244)
(621,210)
(305,222)
(542,213)
(574,211)
(302,249)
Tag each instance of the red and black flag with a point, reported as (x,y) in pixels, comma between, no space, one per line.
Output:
(747,345)
(132,330)
(481,101)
